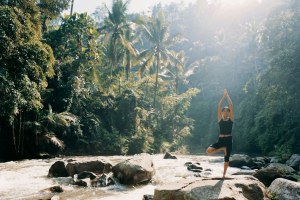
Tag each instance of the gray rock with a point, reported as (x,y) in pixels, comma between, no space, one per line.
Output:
(239,160)
(285,189)
(169,156)
(235,188)
(136,170)
(96,166)
(105,180)
(56,189)
(58,169)
(275,160)
(148,197)
(267,175)
(294,162)
(195,167)
(80,183)
(283,167)
(86,174)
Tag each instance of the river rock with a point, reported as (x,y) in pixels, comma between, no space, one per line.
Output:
(260,162)
(86,174)
(239,160)
(294,162)
(148,197)
(105,180)
(80,183)
(283,167)
(195,167)
(97,166)
(235,188)
(285,189)
(56,189)
(169,156)
(136,170)
(275,159)
(267,175)
(58,169)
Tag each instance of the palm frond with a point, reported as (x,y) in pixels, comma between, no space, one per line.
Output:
(51,138)
(127,45)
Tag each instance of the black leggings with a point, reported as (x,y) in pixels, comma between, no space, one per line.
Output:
(224,142)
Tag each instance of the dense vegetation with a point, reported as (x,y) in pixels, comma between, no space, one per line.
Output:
(114,83)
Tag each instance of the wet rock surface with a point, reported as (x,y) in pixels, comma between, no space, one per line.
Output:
(95,166)
(58,169)
(235,188)
(139,169)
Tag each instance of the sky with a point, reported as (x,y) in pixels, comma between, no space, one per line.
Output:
(134,6)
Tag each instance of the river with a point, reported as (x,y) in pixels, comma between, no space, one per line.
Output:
(27,179)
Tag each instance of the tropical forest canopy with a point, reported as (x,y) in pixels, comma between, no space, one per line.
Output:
(119,83)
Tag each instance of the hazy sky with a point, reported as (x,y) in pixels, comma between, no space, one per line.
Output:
(134,5)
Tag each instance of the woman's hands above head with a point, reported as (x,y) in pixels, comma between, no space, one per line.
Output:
(225,93)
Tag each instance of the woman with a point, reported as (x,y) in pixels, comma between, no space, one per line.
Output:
(225,119)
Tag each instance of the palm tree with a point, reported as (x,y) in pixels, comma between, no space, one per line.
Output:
(178,69)
(115,28)
(156,31)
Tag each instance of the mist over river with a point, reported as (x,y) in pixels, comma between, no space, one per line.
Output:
(28,179)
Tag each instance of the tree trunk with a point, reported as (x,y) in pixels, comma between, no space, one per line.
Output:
(156,78)
(72,4)
(128,64)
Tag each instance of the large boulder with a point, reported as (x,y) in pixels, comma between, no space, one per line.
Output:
(239,160)
(136,170)
(95,166)
(58,169)
(269,174)
(294,161)
(236,188)
(285,189)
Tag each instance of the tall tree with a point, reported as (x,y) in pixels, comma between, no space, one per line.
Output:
(156,31)
(25,62)
(51,9)
(115,28)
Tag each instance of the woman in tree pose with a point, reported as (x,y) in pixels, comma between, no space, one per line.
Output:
(225,120)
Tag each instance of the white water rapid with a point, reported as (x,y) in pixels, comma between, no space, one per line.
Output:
(28,179)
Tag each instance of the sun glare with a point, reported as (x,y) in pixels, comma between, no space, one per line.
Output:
(233,3)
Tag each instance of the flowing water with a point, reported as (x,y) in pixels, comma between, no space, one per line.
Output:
(28,179)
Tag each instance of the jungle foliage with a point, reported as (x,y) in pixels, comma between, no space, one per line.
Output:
(119,83)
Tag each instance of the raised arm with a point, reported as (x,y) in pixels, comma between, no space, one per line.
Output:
(231,116)
(220,107)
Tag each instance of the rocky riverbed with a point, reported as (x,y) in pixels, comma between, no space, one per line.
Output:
(28,179)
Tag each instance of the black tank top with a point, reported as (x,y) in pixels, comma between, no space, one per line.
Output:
(225,126)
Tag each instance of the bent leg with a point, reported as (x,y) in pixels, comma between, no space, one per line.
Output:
(211,150)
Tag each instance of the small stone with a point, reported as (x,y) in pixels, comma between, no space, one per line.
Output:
(148,197)
(188,163)
(80,183)
(56,189)
(169,156)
